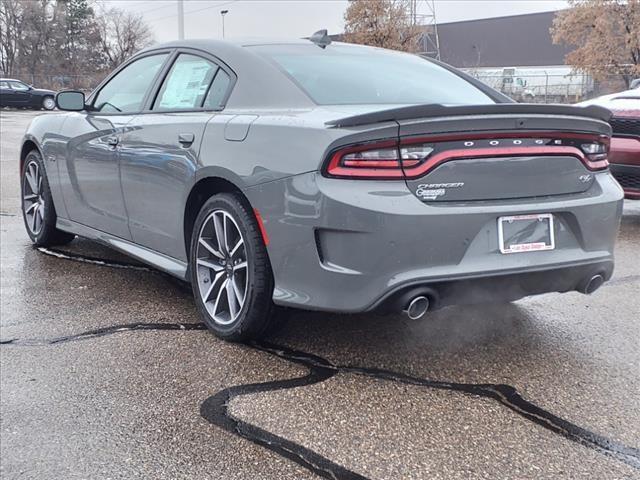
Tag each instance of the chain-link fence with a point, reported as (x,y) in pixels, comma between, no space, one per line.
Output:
(549,88)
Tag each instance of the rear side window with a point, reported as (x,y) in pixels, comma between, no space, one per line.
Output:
(187,83)
(218,91)
(19,86)
(126,91)
(347,74)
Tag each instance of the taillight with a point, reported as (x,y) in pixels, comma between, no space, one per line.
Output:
(412,158)
(380,160)
(414,155)
(596,154)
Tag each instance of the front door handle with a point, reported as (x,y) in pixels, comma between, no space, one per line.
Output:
(186,139)
(113,141)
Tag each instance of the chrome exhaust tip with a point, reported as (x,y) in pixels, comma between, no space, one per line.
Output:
(593,284)
(417,307)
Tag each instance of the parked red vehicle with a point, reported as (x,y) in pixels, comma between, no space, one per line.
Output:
(624,154)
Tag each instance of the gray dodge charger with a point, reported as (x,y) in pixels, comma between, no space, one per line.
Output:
(324,176)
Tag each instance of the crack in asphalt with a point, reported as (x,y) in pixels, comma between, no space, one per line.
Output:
(215,408)
(101,332)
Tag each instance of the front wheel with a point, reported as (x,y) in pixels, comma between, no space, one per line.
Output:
(230,271)
(48,103)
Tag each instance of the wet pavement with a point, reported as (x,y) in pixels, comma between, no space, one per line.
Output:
(106,372)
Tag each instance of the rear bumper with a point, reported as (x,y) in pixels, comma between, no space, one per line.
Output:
(352,246)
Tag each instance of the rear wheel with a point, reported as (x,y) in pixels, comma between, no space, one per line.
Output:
(230,271)
(48,103)
(38,211)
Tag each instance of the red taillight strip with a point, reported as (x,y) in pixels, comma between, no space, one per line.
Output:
(472,153)
(445,156)
(391,169)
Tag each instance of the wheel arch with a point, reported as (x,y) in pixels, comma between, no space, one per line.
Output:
(201,191)
(28,145)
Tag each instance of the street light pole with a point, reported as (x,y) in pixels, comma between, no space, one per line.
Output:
(223,13)
(180,20)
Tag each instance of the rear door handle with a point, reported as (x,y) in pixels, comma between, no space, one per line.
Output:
(186,139)
(113,141)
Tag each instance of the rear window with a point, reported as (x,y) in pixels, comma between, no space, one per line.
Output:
(348,74)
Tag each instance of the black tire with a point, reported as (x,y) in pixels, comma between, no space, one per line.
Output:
(46,235)
(255,315)
(48,103)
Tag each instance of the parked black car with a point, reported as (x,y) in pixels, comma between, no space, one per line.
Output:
(14,93)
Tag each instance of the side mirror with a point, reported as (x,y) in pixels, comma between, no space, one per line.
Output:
(70,100)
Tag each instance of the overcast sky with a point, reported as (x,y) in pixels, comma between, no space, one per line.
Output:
(297,18)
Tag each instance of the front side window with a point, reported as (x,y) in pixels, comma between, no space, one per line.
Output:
(347,74)
(19,86)
(126,91)
(186,84)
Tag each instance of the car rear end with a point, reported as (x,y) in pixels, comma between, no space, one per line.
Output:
(446,204)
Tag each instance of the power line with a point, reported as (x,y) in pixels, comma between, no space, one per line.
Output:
(167,3)
(144,12)
(198,10)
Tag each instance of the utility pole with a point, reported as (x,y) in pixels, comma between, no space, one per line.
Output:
(427,21)
(180,19)
(223,13)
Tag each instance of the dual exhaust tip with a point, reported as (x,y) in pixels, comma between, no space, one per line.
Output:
(419,305)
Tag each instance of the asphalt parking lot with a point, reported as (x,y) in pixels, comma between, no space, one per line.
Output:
(106,373)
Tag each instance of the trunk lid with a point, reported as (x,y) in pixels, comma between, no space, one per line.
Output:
(501,156)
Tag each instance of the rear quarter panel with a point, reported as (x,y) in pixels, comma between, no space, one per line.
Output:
(45,132)
(276,144)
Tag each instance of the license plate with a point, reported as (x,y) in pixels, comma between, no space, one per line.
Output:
(526,233)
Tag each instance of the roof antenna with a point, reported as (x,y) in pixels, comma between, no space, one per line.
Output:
(321,38)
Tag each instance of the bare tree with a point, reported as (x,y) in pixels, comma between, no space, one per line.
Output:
(10,21)
(382,23)
(606,34)
(66,42)
(36,35)
(122,34)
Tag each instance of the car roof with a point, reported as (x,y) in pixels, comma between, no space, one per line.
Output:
(10,80)
(276,89)
(606,100)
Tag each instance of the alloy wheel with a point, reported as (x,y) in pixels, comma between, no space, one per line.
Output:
(32,199)
(49,103)
(222,267)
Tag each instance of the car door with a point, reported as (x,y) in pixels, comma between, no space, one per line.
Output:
(159,151)
(6,94)
(90,174)
(20,95)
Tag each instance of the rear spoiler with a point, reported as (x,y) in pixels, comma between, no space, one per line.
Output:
(436,110)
